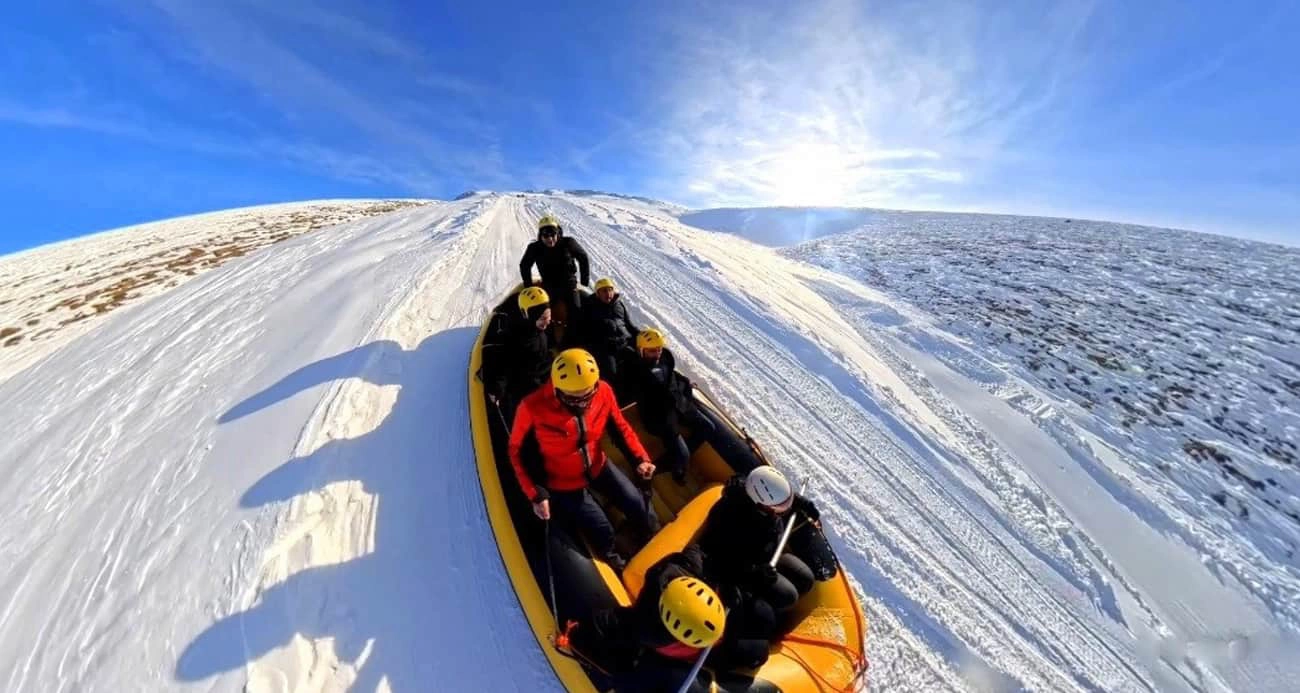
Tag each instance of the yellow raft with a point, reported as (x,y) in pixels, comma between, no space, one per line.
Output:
(823,652)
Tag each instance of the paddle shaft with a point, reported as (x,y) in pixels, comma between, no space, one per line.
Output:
(550,574)
(546,537)
(785,536)
(501,415)
(695,670)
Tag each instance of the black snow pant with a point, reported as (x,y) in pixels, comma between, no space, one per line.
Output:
(608,359)
(751,625)
(579,510)
(656,674)
(793,580)
(566,295)
(677,451)
(510,399)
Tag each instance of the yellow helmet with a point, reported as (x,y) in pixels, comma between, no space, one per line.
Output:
(650,338)
(604,282)
(548,220)
(532,297)
(692,612)
(574,371)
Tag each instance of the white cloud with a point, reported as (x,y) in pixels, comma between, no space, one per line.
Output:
(838,103)
(323,91)
(63,118)
(300,154)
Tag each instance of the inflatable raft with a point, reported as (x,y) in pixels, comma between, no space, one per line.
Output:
(823,649)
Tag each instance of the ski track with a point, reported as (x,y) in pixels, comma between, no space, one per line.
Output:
(1205,618)
(264,479)
(877,489)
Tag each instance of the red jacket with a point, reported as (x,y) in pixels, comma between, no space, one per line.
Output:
(557,431)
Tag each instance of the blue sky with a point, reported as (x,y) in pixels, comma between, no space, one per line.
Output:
(1161,112)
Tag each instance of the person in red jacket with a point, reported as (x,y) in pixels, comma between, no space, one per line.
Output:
(564,421)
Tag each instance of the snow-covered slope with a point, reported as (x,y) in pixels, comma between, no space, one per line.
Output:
(55,293)
(782,226)
(263,480)
(1170,360)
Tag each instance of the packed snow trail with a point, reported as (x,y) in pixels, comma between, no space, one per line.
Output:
(263,480)
(1207,634)
(948,586)
(148,540)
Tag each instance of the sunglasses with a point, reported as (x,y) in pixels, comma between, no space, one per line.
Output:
(578,401)
(549,232)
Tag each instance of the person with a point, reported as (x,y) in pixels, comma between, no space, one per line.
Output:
(517,351)
(607,331)
(742,531)
(555,254)
(664,399)
(654,642)
(565,419)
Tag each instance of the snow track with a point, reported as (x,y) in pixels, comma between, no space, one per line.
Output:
(941,565)
(263,480)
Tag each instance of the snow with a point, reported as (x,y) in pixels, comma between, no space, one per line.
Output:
(262,479)
(780,226)
(57,292)
(1168,362)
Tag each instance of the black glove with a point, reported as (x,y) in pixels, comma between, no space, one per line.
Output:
(730,595)
(807,507)
(761,575)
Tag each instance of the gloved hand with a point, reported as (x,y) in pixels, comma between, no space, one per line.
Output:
(761,575)
(807,507)
(730,595)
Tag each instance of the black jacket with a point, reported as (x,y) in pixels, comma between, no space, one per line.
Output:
(606,326)
(516,355)
(661,393)
(555,264)
(630,628)
(739,538)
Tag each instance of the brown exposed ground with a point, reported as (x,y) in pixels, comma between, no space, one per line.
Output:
(52,289)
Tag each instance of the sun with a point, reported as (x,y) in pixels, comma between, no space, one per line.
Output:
(808,174)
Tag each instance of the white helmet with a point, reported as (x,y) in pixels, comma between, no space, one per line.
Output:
(766,485)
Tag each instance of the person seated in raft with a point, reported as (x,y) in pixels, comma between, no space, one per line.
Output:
(654,642)
(663,398)
(517,351)
(742,531)
(565,420)
(607,331)
(555,255)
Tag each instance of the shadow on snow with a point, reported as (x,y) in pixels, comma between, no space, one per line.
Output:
(432,596)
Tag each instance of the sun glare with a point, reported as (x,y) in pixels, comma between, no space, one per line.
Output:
(809,174)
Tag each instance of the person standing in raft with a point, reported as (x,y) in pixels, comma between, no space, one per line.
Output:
(565,420)
(555,254)
(517,351)
(653,643)
(742,531)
